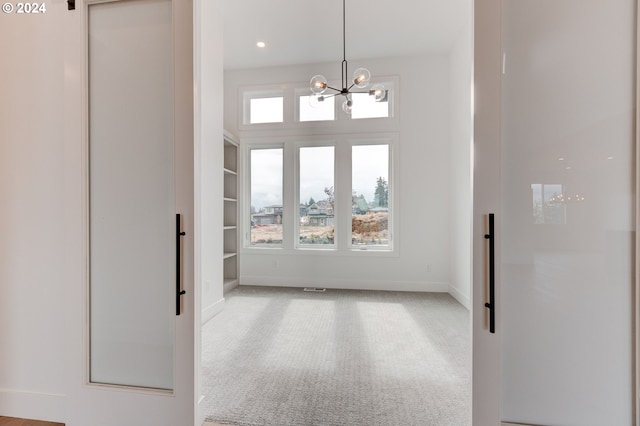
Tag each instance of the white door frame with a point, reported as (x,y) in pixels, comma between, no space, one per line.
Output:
(487,134)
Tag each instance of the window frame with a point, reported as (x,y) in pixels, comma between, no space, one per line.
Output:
(291,93)
(342,182)
(390,202)
(245,219)
(297,201)
(262,92)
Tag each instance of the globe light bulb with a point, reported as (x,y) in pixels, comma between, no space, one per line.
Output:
(347,105)
(318,84)
(361,77)
(378,92)
(315,99)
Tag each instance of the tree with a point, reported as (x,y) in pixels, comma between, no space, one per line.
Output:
(311,202)
(382,192)
(330,197)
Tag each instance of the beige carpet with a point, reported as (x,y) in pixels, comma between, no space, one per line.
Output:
(284,357)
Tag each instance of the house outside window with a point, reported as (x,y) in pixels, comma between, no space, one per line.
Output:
(266,197)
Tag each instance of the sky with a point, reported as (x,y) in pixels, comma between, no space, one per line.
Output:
(316,172)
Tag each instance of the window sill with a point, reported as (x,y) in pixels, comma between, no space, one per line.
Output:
(312,251)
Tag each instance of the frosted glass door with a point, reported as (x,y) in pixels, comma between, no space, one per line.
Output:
(567,212)
(131,194)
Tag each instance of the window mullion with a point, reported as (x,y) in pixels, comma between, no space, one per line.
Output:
(289,188)
(343,194)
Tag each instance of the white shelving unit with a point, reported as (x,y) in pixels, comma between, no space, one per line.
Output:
(230,201)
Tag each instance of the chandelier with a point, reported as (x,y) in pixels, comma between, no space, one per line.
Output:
(360,80)
(564,198)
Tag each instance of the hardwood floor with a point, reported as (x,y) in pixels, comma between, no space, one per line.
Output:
(11,421)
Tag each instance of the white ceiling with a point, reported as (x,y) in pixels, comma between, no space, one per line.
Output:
(310,31)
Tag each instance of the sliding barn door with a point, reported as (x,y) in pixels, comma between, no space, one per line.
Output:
(555,167)
(137,126)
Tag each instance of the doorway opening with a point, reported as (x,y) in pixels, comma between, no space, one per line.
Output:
(424,199)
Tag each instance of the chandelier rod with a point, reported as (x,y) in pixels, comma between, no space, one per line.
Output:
(344,31)
(345,66)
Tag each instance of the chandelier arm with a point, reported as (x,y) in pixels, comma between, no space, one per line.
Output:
(333,88)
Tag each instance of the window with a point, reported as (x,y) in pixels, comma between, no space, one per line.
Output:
(370,195)
(333,195)
(262,106)
(266,110)
(312,110)
(266,197)
(364,106)
(548,204)
(277,107)
(317,201)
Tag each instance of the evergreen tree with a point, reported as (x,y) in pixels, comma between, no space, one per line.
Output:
(382,192)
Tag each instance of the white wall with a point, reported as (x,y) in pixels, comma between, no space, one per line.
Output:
(32,217)
(461,162)
(423,187)
(209,155)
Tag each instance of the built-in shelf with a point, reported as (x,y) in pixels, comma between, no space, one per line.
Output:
(230,214)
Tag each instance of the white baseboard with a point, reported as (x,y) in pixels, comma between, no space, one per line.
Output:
(229,285)
(463,299)
(33,405)
(212,310)
(257,280)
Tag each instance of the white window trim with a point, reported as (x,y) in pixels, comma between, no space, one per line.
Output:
(306,144)
(260,92)
(393,188)
(342,180)
(291,93)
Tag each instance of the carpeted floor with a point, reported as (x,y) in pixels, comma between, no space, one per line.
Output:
(284,357)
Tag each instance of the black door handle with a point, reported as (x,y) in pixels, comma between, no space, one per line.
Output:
(179,291)
(491,305)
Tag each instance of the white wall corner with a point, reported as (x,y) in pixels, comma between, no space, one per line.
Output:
(212,310)
(460,297)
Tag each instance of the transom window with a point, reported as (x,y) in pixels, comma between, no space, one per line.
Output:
(262,106)
(290,105)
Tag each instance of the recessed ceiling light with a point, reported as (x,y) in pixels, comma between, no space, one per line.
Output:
(261,44)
